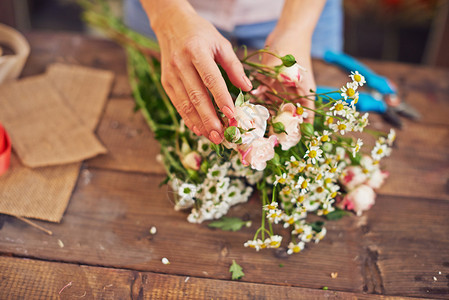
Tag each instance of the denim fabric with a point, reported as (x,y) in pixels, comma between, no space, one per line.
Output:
(328,34)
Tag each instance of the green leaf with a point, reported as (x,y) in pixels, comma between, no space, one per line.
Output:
(307,129)
(217,149)
(288,60)
(278,127)
(337,214)
(240,99)
(317,226)
(228,224)
(236,271)
(230,133)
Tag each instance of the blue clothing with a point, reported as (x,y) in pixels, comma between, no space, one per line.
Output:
(328,34)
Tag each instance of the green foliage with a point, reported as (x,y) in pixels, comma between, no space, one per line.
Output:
(240,99)
(307,129)
(317,226)
(337,214)
(279,127)
(236,271)
(228,224)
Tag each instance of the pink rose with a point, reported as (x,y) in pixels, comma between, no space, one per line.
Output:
(290,119)
(290,76)
(359,199)
(376,178)
(351,177)
(192,161)
(258,152)
(249,116)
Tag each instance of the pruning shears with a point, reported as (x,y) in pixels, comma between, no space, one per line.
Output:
(382,97)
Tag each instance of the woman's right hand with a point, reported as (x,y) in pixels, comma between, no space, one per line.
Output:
(191,47)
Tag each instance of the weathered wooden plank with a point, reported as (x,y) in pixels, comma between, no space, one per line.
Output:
(406,244)
(32,279)
(108,220)
(419,163)
(127,137)
(47,48)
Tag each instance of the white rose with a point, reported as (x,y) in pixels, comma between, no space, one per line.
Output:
(291,76)
(376,179)
(352,176)
(288,117)
(258,152)
(249,116)
(359,199)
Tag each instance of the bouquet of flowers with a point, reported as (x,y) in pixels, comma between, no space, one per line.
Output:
(299,168)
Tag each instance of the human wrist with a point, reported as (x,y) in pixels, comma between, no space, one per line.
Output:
(161,11)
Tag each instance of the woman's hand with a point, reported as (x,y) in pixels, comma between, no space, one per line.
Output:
(286,42)
(191,47)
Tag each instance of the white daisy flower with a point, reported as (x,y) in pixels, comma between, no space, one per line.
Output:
(357,78)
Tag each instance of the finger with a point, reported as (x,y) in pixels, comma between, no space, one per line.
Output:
(213,80)
(175,100)
(185,107)
(227,58)
(199,97)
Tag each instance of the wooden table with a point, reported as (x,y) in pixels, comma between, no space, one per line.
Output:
(399,248)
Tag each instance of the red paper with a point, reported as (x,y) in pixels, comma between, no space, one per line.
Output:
(5,150)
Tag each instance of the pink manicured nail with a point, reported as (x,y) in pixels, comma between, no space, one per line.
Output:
(248,82)
(215,137)
(228,112)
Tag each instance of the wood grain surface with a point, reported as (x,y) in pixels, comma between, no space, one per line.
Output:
(398,248)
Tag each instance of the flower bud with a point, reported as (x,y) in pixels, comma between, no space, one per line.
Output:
(192,161)
(232,134)
(290,76)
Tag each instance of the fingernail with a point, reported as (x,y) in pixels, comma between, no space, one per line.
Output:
(196,131)
(248,82)
(228,112)
(215,137)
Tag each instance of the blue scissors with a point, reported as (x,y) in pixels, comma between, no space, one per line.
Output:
(382,97)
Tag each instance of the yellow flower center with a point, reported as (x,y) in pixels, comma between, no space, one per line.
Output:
(312,154)
(300,199)
(328,180)
(295,164)
(275,244)
(333,170)
(356,99)
(291,221)
(319,176)
(324,138)
(296,249)
(319,189)
(299,110)
(286,191)
(281,180)
(334,194)
(339,106)
(357,77)
(350,92)
(304,184)
(380,151)
(330,120)
(341,126)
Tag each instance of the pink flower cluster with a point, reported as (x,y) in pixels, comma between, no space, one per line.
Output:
(360,182)
(249,138)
